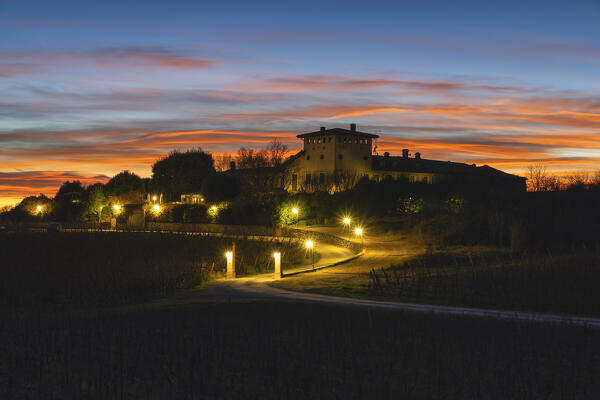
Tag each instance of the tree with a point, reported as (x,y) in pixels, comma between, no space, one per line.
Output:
(539,180)
(126,187)
(96,200)
(264,167)
(70,189)
(180,173)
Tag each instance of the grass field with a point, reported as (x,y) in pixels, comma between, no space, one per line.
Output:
(558,283)
(290,351)
(108,268)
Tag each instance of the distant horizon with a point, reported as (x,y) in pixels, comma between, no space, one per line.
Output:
(90,90)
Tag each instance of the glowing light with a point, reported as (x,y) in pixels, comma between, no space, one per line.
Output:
(358,231)
(117,208)
(154,198)
(347,221)
(309,244)
(229,256)
(277,256)
(156,208)
(295,211)
(39,209)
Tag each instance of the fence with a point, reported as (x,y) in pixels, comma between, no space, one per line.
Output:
(245,231)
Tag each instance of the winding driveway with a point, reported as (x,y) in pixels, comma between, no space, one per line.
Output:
(333,257)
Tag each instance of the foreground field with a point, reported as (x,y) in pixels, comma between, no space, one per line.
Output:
(564,283)
(291,351)
(108,268)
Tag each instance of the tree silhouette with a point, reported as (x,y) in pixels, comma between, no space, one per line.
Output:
(180,173)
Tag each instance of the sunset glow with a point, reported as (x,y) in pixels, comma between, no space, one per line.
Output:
(91,90)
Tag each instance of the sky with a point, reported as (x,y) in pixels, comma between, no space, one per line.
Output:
(91,88)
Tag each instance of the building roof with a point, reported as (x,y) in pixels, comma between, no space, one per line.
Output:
(340,132)
(407,164)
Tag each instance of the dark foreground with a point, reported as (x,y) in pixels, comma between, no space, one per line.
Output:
(272,350)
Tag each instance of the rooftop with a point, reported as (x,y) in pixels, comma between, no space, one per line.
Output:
(407,164)
(340,132)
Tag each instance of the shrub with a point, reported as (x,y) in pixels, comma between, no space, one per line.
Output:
(196,214)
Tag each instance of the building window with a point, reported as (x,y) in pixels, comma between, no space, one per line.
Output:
(308,157)
(307,179)
(411,179)
(340,156)
(319,141)
(329,140)
(321,156)
(355,141)
(282,182)
(322,178)
(294,182)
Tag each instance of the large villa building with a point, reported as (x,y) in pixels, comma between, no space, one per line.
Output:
(335,159)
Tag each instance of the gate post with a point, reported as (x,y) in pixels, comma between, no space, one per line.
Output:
(231,262)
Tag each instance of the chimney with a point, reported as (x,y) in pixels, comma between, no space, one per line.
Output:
(322,129)
(418,155)
(353,127)
(232,165)
(386,154)
(405,153)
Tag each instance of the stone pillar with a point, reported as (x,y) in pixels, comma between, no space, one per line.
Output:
(231,262)
(278,270)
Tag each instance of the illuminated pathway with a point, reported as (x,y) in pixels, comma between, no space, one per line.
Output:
(261,287)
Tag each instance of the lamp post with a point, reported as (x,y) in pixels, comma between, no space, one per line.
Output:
(278,271)
(359,232)
(310,245)
(230,255)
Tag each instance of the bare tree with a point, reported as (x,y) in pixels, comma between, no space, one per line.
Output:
(276,152)
(539,180)
(223,162)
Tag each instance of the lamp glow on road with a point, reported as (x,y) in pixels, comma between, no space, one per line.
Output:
(358,231)
(309,244)
(295,211)
(347,221)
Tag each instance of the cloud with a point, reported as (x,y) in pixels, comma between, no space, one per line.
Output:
(341,83)
(17,185)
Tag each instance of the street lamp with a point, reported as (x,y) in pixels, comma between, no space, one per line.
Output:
(295,211)
(117,208)
(359,232)
(39,208)
(310,245)
(156,209)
